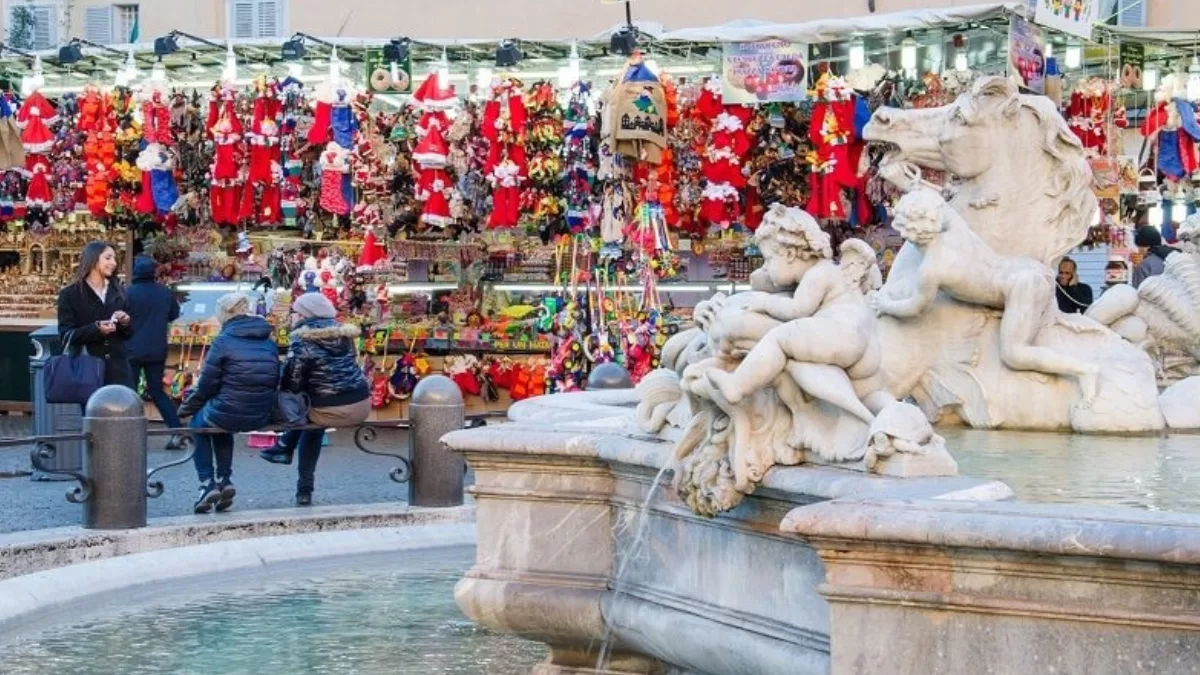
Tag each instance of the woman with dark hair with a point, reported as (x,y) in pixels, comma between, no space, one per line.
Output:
(91,313)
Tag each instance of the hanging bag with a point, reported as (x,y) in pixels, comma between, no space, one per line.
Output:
(72,378)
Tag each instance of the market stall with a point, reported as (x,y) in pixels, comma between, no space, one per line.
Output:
(509,213)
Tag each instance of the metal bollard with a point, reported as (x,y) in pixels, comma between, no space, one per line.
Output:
(437,409)
(611,375)
(115,460)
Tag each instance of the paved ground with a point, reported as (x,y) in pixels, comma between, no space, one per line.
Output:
(344,476)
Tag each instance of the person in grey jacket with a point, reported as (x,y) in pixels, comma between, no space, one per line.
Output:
(1154,259)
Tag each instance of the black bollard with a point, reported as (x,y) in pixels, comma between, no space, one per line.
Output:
(437,476)
(115,460)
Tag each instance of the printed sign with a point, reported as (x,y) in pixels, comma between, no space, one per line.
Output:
(1133,60)
(1026,55)
(383,78)
(771,71)
(1069,16)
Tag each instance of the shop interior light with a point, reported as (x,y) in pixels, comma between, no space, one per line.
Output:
(128,74)
(1049,50)
(1193,83)
(1179,211)
(296,69)
(1074,56)
(908,54)
(34,79)
(230,72)
(960,53)
(858,54)
(159,72)
(483,78)
(335,68)
(1155,216)
(1149,78)
(652,65)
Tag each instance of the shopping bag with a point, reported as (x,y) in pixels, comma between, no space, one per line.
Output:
(72,378)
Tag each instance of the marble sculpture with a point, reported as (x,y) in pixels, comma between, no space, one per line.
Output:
(820,363)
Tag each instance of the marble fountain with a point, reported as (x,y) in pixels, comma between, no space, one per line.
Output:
(781,498)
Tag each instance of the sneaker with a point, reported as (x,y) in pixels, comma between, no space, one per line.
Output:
(276,455)
(227,493)
(210,495)
(303,499)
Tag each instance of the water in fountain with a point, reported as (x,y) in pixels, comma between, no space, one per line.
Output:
(639,533)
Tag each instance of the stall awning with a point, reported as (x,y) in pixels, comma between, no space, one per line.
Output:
(830,30)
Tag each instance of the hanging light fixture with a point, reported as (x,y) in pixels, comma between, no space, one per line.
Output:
(1074,55)
(1049,50)
(335,69)
(230,73)
(908,54)
(128,73)
(295,69)
(1150,77)
(443,70)
(159,72)
(569,74)
(858,54)
(1193,83)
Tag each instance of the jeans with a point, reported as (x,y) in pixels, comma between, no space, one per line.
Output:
(154,387)
(208,445)
(309,443)
(310,452)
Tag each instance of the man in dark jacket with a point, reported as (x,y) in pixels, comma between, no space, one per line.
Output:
(236,393)
(322,364)
(153,307)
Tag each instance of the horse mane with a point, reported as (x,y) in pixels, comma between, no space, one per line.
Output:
(1071,179)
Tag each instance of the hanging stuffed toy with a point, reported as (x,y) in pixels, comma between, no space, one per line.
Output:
(341,120)
(372,252)
(433,183)
(12,150)
(34,118)
(404,378)
(1172,130)
(335,169)
(506,168)
(225,130)
(159,190)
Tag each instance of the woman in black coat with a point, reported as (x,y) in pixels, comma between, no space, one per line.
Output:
(92,316)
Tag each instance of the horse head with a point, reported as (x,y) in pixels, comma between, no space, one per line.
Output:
(1024,181)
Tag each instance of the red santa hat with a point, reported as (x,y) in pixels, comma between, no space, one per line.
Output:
(431,151)
(432,96)
(372,252)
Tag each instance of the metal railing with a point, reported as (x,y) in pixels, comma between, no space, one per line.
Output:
(119,465)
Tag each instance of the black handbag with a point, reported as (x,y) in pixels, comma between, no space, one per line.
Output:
(72,378)
(291,410)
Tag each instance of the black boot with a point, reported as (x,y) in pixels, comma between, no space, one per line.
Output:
(277,455)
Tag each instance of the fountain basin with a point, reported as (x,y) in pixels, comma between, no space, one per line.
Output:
(792,580)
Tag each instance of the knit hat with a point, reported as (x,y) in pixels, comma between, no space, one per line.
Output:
(314,306)
(231,305)
(1147,235)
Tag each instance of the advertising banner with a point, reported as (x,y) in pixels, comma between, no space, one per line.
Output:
(771,71)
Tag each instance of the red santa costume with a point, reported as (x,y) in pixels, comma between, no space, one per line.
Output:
(834,160)
(265,173)
(225,129)
(435,101)
(372,251)
(433,183)
(335,164)
(721,163)
(34,119)
(507,167)
(1087,115)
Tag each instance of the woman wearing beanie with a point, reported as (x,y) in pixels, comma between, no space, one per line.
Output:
(1154,259)
(321,363)
(235,393)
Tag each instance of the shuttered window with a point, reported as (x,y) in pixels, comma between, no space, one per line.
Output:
(98,24)
(33,25)
(1131,13)
(252,19)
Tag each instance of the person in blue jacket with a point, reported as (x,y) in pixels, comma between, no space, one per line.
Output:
(236,393)
(152,307)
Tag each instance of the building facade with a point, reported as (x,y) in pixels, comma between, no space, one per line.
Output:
(41,24)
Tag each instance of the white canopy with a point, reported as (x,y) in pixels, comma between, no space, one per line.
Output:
(830,30)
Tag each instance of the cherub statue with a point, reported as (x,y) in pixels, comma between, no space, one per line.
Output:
(826,322)
(956,261)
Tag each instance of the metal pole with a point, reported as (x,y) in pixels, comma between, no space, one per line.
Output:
(436,410)
(115,459)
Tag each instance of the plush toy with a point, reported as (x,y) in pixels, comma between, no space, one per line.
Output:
(404,377)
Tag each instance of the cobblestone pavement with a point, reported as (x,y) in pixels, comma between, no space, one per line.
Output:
(344,476)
